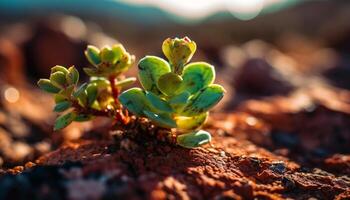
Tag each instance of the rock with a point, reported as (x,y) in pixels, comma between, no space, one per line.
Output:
(257,77)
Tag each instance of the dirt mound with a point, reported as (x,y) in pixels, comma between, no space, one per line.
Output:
(230,169)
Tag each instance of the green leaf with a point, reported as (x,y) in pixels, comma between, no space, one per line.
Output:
(178,51)
(83,118)
(179,101)
(118,51)
(96,105)
(125,62)
(135,101)
(67,92)
(47,86)
(59,98)
(100,81)
(108,55)
(59,68)
(158,102)
(193,139)
(191,123)
(81,94)
(62,106)
(91,71)
(197,75)
(162,119)
(205,99)
(91,91)
(92,53)
(150,69)
(58,79)
(125,82)
(72,76)
(80,90)
(63,121)
(169,83)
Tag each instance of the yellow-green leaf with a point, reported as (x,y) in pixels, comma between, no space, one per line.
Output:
(47,86)
(92,53)
(191,123)
(125,82)
(150,69)
(58,79)
(134,100)
(59,68)
(205,99)
(91,91)
(193,139)
(197,76)
(64,120)
(169,83)
(72,76)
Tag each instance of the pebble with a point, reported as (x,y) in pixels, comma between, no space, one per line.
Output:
(288,183)
(278,167)
(29,165)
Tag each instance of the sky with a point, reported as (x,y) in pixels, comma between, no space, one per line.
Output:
(196,9)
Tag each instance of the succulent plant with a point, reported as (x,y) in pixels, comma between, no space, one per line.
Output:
(109,61)
(98,96)
(176,94)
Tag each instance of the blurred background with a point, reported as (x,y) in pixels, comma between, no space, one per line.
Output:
(262,49)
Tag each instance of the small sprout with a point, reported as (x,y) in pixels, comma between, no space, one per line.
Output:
(179,52)
(108,61)
(176,94)
(98,96)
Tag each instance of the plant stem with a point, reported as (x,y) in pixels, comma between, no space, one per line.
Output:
(91,111)
(119,110)
(115,91)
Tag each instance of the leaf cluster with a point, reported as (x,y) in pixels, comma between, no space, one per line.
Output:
(176,94)
(95,97)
